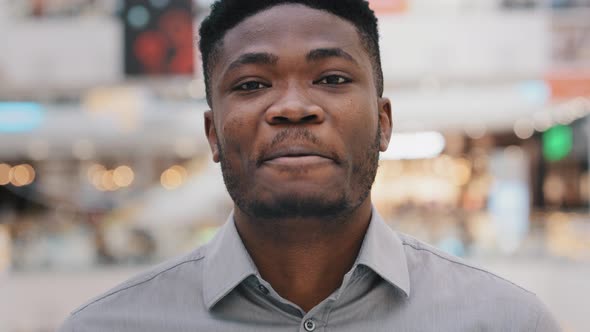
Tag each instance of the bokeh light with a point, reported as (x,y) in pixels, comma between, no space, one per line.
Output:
(173,177)
(22,175)
(123,176)
(4,174)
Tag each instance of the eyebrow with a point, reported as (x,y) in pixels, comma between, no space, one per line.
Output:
(265,58)
(261,58)
(325,53)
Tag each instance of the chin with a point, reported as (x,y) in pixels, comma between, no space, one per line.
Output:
(292,204)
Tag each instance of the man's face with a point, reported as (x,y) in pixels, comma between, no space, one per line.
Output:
(296,121)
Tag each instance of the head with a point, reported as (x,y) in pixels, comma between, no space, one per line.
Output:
(227,14)
(297,115)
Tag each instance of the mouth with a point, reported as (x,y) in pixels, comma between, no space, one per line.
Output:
(296,156)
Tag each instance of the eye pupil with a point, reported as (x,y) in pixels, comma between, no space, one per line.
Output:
(334,79)
(250,86)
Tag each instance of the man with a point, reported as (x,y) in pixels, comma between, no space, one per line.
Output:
(297,121)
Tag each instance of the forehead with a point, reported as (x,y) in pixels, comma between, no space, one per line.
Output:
(287,29)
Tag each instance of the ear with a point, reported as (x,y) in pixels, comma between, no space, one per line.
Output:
(211,134)
(385,123)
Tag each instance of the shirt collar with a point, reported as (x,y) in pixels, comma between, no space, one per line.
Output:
(227,262)
(383,252)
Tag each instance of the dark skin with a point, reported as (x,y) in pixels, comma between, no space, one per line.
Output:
(286,71)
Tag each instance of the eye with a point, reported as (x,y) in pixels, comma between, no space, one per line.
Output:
(250,86)
(333,80)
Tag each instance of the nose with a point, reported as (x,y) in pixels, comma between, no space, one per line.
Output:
(293,107)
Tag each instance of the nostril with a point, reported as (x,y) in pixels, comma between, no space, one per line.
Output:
(280,119)
(286,119)
(309,118)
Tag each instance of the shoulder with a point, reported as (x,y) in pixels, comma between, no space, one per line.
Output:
(163,281)
(422,256)
(158,274)
(451,281)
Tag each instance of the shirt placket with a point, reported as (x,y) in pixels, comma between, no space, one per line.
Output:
(315,320)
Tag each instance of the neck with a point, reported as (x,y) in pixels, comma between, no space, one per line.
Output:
(306,259)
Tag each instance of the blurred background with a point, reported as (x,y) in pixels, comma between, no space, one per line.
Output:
(105,170)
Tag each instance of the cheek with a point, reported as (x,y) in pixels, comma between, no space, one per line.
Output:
(238,134)
(230,129)
(357,122)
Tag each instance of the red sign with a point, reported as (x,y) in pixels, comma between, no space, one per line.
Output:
(158,37)
(569,85)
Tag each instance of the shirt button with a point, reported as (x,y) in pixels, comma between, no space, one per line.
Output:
(309,325)
(263,289)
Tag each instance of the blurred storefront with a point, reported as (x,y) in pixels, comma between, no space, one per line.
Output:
(104,163)
(491,143)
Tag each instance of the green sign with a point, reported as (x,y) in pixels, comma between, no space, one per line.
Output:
(557,142)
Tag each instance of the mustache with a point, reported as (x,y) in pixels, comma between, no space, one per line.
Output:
(296,136)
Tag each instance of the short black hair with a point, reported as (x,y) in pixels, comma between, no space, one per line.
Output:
(226,14)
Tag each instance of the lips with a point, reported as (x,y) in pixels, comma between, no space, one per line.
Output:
(296,154)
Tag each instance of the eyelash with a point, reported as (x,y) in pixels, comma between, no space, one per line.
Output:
(246,86)
(341,79)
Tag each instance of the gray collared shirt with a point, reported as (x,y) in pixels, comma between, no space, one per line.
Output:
(396,284)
